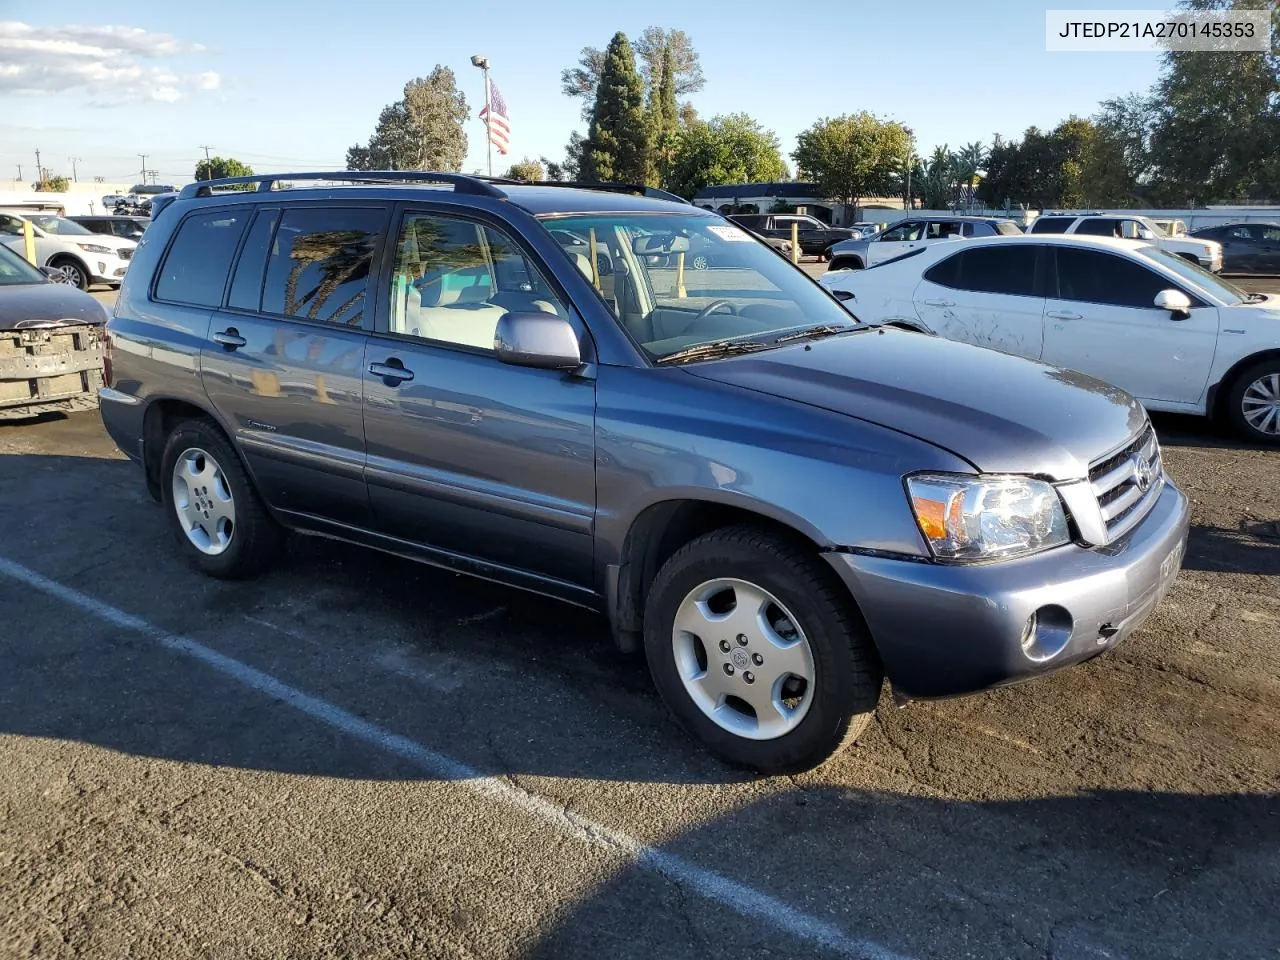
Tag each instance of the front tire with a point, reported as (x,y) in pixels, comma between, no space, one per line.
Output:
(1253,403)
(757,651)
(214,512)
(73,273)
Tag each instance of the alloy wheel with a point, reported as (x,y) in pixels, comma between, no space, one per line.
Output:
(202,501)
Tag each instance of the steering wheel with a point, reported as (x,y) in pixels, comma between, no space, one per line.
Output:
(711,308)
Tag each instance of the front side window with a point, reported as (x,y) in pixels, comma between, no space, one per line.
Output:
(911,230)
(1092,276)
(319,264)
(1194,273)
(678,282)
(454,279)
(196,265)
(1099,227)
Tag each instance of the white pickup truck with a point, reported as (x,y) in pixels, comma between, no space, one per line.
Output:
(1207,253)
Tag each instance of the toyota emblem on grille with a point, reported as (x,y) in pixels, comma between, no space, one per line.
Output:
(1144,473)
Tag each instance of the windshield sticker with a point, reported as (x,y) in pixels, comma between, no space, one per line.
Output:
(725,232)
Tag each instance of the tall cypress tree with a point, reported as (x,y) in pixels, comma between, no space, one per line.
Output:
(617,144)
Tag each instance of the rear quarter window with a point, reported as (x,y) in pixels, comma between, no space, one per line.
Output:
(195,267)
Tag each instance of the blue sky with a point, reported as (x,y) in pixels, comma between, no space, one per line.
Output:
(285,85)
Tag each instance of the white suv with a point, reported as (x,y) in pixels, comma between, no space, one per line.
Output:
(80,256)
(1207,253)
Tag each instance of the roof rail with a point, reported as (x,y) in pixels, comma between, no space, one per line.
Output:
(651,192)
(461,182)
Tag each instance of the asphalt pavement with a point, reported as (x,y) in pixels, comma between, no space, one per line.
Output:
(360,756)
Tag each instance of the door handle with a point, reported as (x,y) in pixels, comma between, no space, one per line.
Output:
(1062,315)
(393,369)
(229,338)
(939,303)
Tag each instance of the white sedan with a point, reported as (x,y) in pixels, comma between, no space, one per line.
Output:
(1169,332)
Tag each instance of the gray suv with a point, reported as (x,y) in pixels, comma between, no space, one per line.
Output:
(780,505)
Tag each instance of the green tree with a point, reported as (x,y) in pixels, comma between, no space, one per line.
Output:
(853,156)
(617,143)
(725,149)
(215,168)
(936,179)
(421,131)
(53,184)
(570,167)
(655,44)
(526,169)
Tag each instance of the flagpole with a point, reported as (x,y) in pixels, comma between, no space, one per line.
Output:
(488,116)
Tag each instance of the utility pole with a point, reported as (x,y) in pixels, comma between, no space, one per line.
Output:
(74,160)
(144,167)
(208,164)
(19,173)
(39,169)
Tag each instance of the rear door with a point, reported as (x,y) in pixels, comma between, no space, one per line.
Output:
(1100,319)
(990,296)
(285,359)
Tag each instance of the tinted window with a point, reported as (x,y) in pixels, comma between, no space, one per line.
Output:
(319,264)
(454,279)
(1009,270)
(910,230)
(1097,277)
(196,266)
(941,229)
(1270,234)
(1099,227)
(1051,224)
(246,285)
(945,272)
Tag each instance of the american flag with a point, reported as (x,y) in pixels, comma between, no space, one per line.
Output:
(496,113)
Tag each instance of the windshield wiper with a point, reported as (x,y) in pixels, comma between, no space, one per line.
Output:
(718,348)
(812,333)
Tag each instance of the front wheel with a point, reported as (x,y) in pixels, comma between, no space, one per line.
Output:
(70,273)
(1253,403)
(215,514)
(755,648)
(700,262)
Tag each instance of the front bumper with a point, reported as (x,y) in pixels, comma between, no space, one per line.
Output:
(949,629)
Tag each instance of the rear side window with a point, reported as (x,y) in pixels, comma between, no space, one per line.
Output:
(319,263)
(1096,277)
(196,265)
(1051,224)
(1099,227)
(1008,270)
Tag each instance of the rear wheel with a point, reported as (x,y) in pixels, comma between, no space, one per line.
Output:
(216,515)
(756,650)
(1253,403)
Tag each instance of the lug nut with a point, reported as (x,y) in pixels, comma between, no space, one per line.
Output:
(742,639)
(724,646)
(749,677)
(757,659)
(728,669)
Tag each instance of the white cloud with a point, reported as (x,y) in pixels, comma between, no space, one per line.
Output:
(110,64)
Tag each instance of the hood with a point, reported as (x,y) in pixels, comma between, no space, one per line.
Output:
(1001,413)
(1190,243)
(47,301)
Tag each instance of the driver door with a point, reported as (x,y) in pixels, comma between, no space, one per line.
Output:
(895,241)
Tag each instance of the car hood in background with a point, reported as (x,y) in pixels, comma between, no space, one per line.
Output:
(1001,413)
(47,302)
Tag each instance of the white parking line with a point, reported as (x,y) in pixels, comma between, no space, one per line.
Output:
(747,901)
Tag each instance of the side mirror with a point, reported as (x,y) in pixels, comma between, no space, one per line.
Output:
(542,340)
(1175,301)
(53,273)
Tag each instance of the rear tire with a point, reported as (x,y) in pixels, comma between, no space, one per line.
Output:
(791,588)
(213,510)
(1253,403)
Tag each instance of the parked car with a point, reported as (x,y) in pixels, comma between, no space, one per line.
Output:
(1207,253)
(780,505)
(1166,330)
(131,228)
(1246,247)
(814,235)
(50,342)
(863,229)
(912,234)
(82,257)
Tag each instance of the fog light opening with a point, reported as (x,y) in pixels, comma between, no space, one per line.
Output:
(1046,634)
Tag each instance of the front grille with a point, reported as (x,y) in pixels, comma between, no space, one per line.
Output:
(126,253)
(1128,482)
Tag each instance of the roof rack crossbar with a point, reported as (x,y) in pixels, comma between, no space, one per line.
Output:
(461,183)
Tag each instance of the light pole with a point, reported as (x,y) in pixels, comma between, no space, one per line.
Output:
(483,64)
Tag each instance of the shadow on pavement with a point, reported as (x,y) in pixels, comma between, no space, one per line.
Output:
(1254,548)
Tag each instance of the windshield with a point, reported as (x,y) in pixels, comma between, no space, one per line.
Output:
(14,270)
(1194,273)
(59,225)
(678,281)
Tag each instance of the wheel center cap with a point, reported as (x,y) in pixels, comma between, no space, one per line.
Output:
(741,659)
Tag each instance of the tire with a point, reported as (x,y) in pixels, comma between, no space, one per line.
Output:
(244,546)
(700,262)
(845,263)
(76,273)
(1248,397)
(838,701)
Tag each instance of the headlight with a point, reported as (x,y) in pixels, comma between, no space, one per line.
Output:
(982,518)
(94,248)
